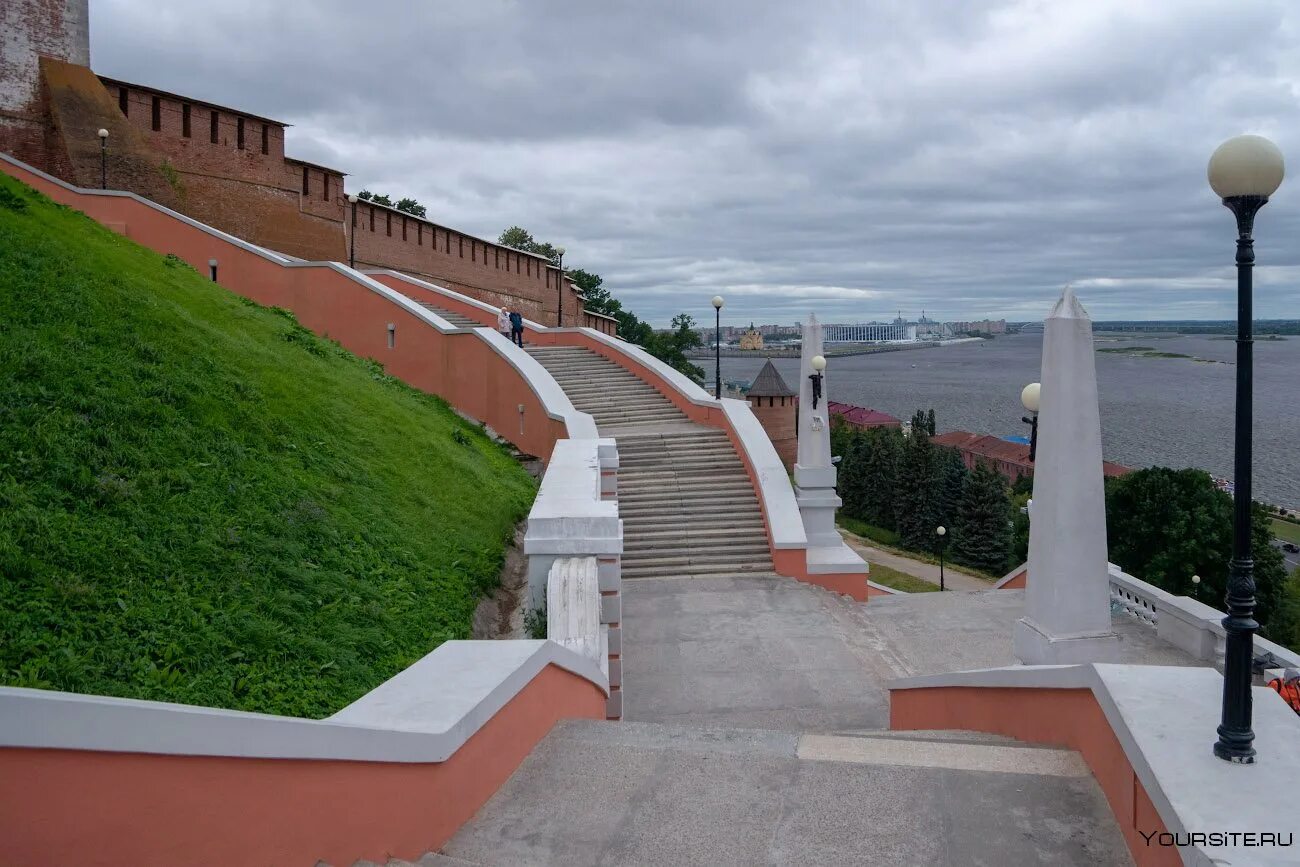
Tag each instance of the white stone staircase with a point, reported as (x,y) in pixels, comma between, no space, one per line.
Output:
(459,320)
(687,503)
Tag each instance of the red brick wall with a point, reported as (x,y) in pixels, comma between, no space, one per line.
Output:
(253,195)
(777,416)
(489,272)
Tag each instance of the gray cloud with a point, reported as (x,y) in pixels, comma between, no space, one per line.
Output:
(962,158)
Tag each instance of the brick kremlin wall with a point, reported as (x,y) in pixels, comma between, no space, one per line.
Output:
(501,276)
(227,168)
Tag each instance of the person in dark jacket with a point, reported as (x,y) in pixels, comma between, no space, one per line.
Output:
(516,328)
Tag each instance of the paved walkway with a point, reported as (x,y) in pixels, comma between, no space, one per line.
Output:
(953,579)
(755,708)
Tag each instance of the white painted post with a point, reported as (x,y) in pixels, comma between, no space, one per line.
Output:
(814,475)
(1067,594)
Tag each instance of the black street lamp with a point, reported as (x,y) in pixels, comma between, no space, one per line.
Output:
(941,531)
(1029,397)
(352,233)
(1196,587)
(103,159)
(1243,171)
(559,308)
(717,347)
(818,365)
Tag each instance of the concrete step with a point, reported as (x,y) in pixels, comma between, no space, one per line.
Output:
(646,793)
(755,566)
(670,525)
(633,514)
(702,557)
(689,534)
(682,463)
(638,551)
(457,319)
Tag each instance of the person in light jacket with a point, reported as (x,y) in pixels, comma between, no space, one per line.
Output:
(503,322)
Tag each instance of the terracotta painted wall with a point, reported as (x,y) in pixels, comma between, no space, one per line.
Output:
(460,368)
(112,809)
(1068,718)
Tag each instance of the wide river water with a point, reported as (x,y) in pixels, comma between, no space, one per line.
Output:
(1172,412)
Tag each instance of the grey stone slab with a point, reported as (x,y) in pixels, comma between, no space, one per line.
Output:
(647,794)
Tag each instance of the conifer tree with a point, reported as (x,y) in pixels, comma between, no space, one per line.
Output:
(951,475)
(983,527)
(916,503)
(853,478)
(883,447)
(929,421)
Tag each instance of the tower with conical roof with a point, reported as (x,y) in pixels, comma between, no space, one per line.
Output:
(773,403)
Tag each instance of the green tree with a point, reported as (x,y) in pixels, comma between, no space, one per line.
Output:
(521,239)
(1166,525)
(671,346)
(884,447)
(982,537)
(853,484)
(916,502)
(410,206)
(843,435)
(1285,625)
(368,196)
(929,421)
(950,475)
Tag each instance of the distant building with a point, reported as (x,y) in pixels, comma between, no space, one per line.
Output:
(751,339)
(861,416)
(1011,459)
(773,403)
(984,326)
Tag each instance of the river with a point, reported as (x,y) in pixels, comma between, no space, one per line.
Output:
(1175,412)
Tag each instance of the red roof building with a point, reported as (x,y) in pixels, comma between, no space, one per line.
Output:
(1008,458)
(861,416)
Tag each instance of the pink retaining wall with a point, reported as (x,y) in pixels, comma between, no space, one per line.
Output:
(101,808)
(461,368)
(1069,718)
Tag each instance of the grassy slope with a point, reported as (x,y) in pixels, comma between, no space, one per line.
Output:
(1286,531)
(202,502)
(900,580)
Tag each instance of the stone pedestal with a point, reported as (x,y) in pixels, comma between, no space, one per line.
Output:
(1067,594)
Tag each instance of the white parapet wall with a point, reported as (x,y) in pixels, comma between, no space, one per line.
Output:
(575,516)
(573,609)
(1191,626)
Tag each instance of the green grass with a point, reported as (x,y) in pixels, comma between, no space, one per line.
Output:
(887,540)
(1286,531)
(867,531)
(900,580)
(1127,349)
(202,502)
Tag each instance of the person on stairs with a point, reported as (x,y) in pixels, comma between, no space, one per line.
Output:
(516,328)
(503,322)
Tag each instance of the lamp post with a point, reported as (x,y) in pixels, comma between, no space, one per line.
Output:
(717,347)
(1243,171)
(559,308)
(818,365)
(352,233)
(1196,587)
(941,531)
(1029,397)
(103,158)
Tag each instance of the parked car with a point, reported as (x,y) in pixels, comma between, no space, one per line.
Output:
(1291,547)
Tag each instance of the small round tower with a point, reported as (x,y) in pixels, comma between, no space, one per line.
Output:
(773,403)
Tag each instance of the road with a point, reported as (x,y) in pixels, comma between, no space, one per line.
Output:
(1292,560)
(953,579)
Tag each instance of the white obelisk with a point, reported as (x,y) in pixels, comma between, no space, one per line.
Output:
(814,474)
(1067,593)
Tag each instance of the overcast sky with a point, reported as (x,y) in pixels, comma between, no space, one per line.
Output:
(965,158)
